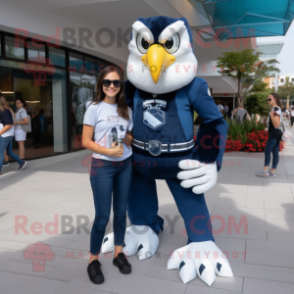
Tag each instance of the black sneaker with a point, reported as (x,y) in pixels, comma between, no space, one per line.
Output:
(5,163)
(95,272)
(122,263)
(22,166)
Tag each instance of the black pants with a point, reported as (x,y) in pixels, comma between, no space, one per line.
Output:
(292,121)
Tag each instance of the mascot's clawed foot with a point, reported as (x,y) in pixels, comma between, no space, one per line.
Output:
(204,259)
(138,239)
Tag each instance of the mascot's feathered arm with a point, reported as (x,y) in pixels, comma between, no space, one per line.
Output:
(201,174)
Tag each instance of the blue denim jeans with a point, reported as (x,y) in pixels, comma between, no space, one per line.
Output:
(272,145)
(109,177)
(6,144)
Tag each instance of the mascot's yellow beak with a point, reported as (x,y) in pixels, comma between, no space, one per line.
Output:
(157,60)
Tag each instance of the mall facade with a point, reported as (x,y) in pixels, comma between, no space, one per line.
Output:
(55,82)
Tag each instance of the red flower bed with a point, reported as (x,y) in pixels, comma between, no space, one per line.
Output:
(255,142)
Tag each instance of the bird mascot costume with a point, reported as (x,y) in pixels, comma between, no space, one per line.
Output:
(163,92)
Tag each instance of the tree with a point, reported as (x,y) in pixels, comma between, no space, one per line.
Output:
(256,103)
(246,68)
(287,90)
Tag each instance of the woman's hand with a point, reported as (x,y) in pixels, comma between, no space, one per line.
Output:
(116,150)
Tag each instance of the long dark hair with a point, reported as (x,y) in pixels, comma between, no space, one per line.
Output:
(122,108)
(278,100)
(3,103)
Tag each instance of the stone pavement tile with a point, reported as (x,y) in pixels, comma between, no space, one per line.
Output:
(129,284)
(262,272)
(277,225)
(77,289)
(72,263)
(192,289)
(82,243)
(172,240)
(269,245)
(226,202)
(23,268)
(6,244)
(253,235)
(276,258)
(270,198)
(53,241)
(280,237)
(271,215)
(167,249)
(11,283)
(233,249)
(61,274)
(17,256)
(252,286)
(11,236)
(255,204)
(279,206)
(229,284)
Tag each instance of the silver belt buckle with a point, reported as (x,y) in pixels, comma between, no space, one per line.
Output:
(154,147)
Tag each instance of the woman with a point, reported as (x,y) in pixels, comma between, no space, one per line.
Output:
(7,133)
(21,118)
(111,165)
(274,136)
(292,116)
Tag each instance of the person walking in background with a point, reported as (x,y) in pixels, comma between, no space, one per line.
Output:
(241,114)
(21,118)
(109,119)
(226,107)
(274,136)
(7,133)
(292,116)
(6,159)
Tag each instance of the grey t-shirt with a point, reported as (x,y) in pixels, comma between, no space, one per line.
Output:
(240,115)
(19,116)
(109,126)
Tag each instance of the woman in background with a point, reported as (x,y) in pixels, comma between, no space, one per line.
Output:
(274,136)
(7,133)
(21,118)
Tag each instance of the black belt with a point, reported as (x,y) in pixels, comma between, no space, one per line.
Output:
(155,147)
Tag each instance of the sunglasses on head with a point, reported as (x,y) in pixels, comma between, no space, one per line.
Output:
(116,83)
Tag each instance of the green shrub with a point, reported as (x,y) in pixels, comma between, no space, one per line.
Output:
(256,103)
(240,132)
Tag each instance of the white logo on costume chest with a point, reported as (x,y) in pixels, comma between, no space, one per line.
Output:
(154,116)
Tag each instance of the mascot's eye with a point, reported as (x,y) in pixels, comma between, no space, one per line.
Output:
(142,44)
(172,44)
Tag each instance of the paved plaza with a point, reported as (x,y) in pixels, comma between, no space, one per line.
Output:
(56,190)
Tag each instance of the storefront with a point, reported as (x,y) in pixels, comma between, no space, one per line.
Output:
(56,83)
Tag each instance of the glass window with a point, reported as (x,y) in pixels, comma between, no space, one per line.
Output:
(57,56)
(36,51)
(100,66)
(76,62)
(14,48)
(82,91)
(282,80)
(90,65)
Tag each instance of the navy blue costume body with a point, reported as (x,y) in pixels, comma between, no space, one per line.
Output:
(174,124)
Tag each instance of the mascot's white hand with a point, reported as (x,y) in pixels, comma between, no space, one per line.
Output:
(200,176)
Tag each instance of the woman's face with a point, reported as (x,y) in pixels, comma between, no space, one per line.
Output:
(111,91)
(271,100)
(18,104)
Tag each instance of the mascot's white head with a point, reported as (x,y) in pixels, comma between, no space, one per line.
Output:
(161,56)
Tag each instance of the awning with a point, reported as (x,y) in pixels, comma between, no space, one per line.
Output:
(247,18)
